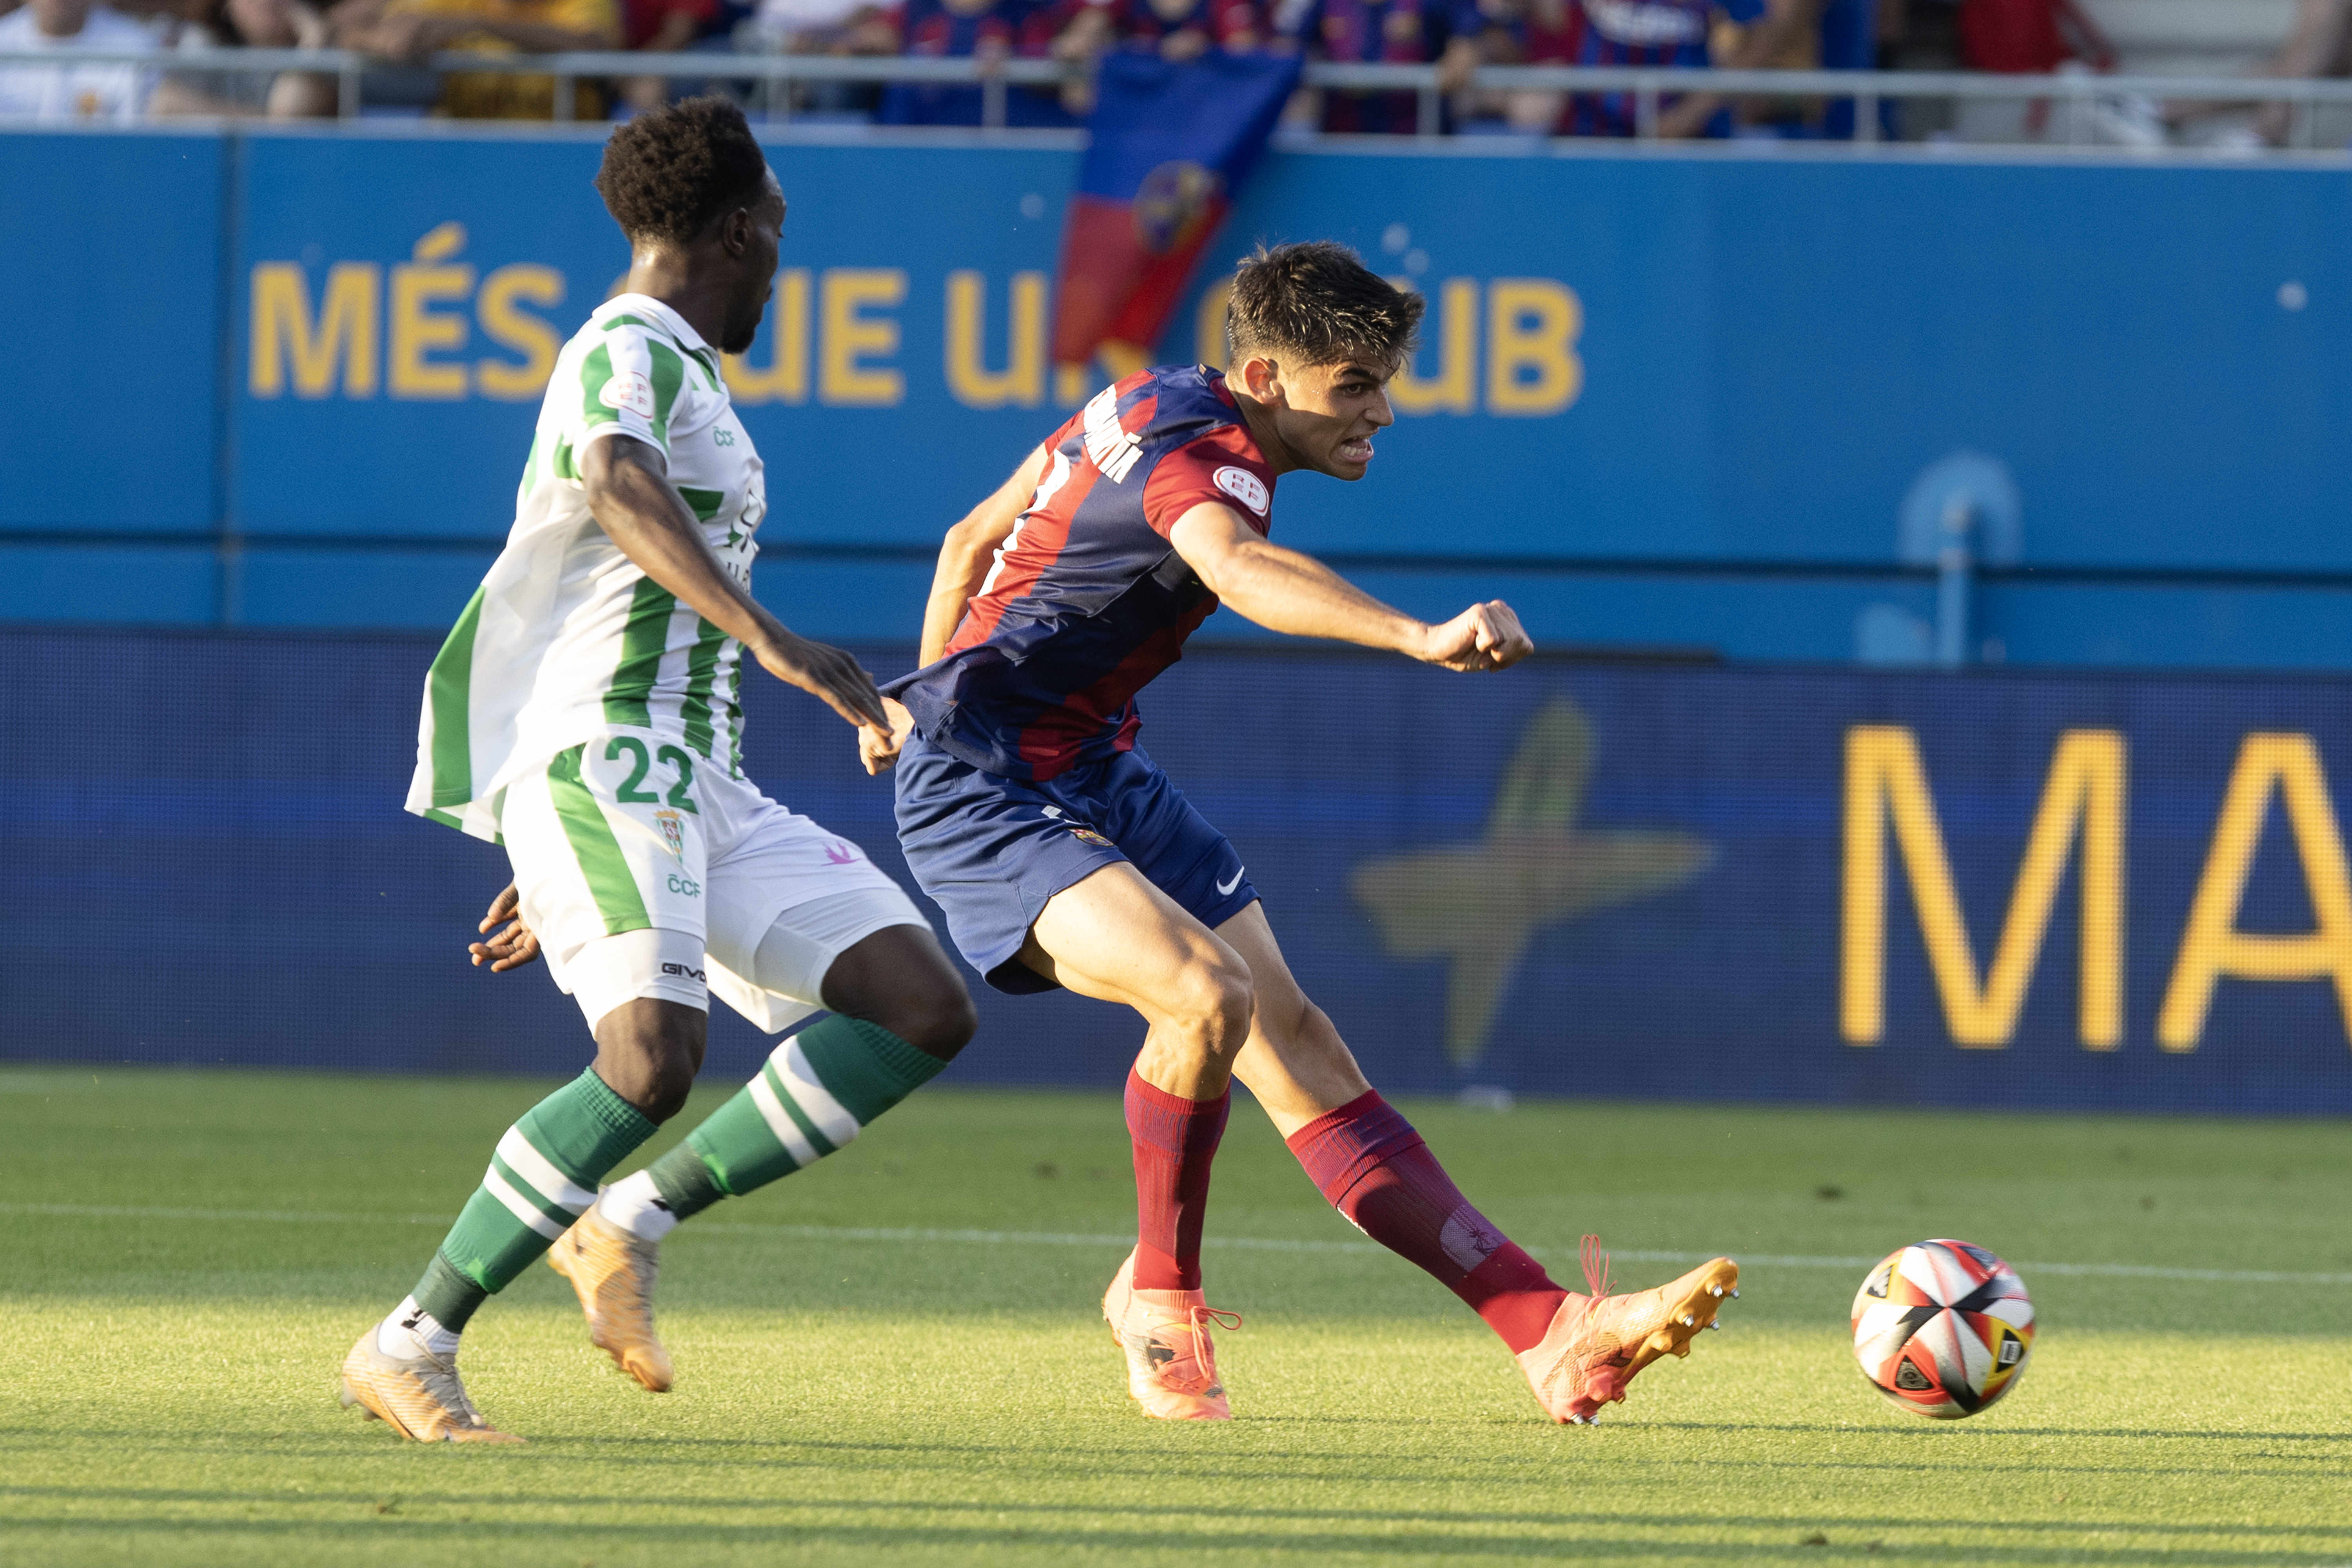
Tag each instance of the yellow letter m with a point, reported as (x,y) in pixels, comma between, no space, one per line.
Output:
(283,331)
(2084,794)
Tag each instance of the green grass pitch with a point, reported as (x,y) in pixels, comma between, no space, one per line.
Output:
(188,1255)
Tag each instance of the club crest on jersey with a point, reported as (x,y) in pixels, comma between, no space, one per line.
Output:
(628,391)
(673,831)
(1243,486)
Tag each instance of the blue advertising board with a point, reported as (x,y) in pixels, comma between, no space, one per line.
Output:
(1667,359)
(1669,400)
(115,248)
(1761,884)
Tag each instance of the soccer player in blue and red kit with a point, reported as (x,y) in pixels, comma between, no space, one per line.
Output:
(1064,857)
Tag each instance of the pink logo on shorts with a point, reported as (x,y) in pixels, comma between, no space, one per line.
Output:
(840,854)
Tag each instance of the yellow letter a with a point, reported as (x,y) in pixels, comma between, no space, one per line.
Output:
(2084,788)
(2212,946)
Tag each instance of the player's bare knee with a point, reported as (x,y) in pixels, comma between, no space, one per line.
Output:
(1218,1000)
(648,1052)
(898,979)
(932,1012)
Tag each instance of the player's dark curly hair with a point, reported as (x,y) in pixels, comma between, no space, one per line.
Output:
(1316,300)
(668,174)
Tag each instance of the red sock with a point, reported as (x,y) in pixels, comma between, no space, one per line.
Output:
(1175,1139)
(1376,1170)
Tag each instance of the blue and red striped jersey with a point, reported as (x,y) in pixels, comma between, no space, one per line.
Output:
(1630,33)
(1088,599)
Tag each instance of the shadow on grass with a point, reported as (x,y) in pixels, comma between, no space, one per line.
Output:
(1202,1463)
(1953,1432)
(800,1535)
(1175,1515)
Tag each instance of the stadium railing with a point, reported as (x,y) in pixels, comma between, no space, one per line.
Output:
(771,77)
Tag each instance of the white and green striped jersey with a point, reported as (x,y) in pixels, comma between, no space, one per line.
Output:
(566,636)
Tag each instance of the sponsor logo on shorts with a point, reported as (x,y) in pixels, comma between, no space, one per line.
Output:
(685,885)
(681,970)
(1243,486)
(840,853)
(673,831)
(628,389)
(1224,890)
(1088,836)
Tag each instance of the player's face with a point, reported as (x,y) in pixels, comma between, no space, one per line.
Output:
(763,241)
(1327,414)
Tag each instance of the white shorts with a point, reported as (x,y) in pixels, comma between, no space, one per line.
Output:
(646,871)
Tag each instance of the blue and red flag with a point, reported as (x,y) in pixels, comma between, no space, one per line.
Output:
(1171,144)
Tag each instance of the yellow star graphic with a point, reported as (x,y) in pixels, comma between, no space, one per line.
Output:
(1479,904)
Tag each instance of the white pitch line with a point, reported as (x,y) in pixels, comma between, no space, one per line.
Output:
(1079,1238)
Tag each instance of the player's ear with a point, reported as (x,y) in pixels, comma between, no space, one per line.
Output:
(735,231)
(1262,377)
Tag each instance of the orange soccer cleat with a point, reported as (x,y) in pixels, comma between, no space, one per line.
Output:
(614,1273)
(418,1396)
(1172,1366)
(1597,1342)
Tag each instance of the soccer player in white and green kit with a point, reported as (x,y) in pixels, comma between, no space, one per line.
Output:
(585,713)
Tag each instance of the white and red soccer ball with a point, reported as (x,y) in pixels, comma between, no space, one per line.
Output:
(1942,1328)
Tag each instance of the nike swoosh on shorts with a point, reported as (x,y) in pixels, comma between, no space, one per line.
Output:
(1224,888)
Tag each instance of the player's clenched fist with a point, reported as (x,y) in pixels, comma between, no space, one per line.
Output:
(1483,636)
(877,749)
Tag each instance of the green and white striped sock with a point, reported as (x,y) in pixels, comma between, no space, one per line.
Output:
(819,1089)
(541,1178)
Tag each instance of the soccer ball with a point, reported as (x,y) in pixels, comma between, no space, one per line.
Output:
(1942,1328)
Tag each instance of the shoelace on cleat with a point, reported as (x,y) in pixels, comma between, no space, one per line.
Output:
(1195,1320)
(442,1382)
(1596,1266)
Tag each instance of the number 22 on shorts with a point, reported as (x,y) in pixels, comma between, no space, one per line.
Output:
(631,792)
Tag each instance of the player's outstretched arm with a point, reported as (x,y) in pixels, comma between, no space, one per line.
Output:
(964,557)
(1285,590)
(628,489)
(970,546)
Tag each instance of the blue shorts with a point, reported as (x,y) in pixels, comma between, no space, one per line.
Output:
(991,850)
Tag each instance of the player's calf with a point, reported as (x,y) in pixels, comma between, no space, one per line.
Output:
(818,1091)
(543,1178)
(901,1012)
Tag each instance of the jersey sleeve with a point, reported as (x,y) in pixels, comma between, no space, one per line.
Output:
(1221,467)
(629,385)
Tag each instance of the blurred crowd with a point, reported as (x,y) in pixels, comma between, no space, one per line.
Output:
(1455,36)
